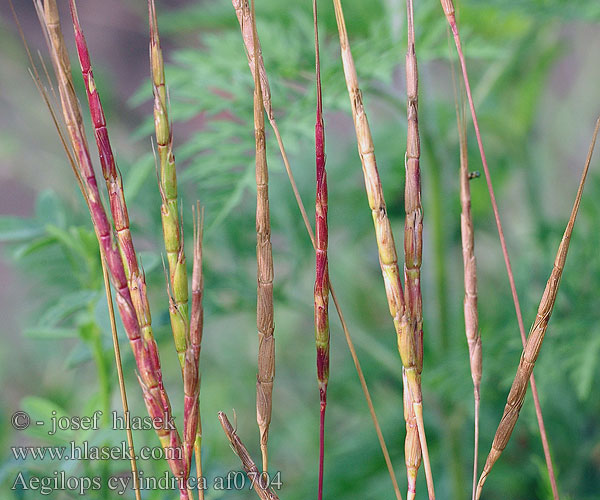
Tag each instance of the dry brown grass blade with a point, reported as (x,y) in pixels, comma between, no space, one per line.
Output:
(531,351)
(244,18)
(257,479)
(264,261)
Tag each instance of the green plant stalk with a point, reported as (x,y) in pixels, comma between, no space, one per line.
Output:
(264,271)
(409,350)
(516,396)
(169,211)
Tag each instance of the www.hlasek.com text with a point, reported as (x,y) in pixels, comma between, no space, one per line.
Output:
(86,451)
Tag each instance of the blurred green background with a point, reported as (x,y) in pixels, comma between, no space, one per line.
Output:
(534,71)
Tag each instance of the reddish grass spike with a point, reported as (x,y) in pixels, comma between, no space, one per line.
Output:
(193,351)
(144,345)
(449,11)
(532,349)
(321,292)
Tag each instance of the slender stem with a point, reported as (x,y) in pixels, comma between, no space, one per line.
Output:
(470,270)
(476,442)
(321,450)
(450,15)
(119,365)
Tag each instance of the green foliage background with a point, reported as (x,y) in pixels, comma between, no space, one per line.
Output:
(534,73)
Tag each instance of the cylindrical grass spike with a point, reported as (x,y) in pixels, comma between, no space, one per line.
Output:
(449,11)
(413,249)
(264,275)
(412,446)
(244,18)
(470,280)
(128,282)
(252,44)
(516,396)
(321,291)
(168,189)
(407,342)
(469,270)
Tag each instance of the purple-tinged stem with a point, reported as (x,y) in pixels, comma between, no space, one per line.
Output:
(191,375)
(321,292)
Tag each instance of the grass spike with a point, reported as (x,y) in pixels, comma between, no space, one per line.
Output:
(449,11)
(170,218)
(242,13)
(321,290)
(195,343)
(407,342)
(144,348)
(264,261)
(467,232)
(532,349)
